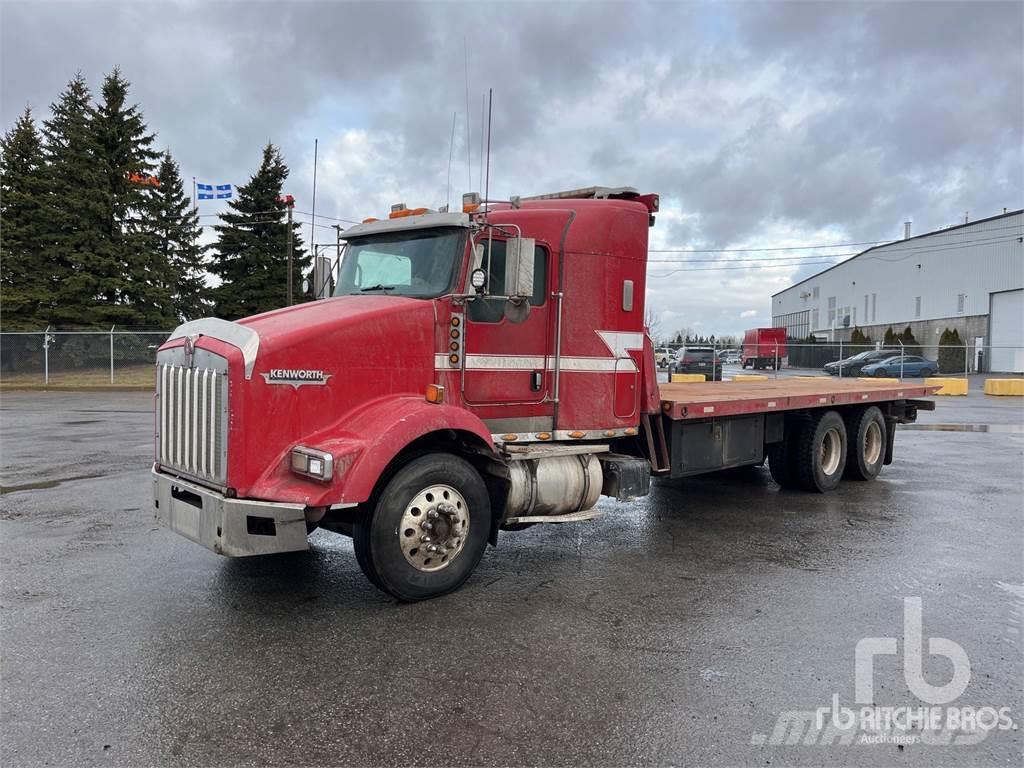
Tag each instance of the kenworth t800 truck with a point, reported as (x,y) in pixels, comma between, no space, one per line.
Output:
(472,372)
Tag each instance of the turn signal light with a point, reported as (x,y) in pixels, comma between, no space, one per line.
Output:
(577,434)
(510,438)
(543,435)
(435,393)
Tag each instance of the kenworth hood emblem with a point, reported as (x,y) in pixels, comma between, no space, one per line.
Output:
(295,376)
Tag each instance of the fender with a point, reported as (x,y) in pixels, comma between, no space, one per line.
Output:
(363,444)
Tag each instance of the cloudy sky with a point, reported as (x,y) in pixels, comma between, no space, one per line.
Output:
(761,124)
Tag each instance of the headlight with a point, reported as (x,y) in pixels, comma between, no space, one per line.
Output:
(312,463)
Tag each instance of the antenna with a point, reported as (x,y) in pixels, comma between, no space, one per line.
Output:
(469,161)
(487,182)
(312,218)
(480,175)
(451,146)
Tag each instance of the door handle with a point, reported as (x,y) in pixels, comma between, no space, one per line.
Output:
(536,381)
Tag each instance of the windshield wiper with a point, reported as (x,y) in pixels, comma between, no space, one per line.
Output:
(377,287)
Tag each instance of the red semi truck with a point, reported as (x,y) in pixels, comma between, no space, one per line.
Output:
(763,348)
(472,373)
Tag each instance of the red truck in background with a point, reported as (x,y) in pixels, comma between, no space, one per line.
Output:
(472,373)
(763,348)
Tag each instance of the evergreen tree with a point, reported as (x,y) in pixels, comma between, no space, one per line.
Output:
(74,209)
(22,270)
(890,338)
(911,346)
(858,337)
(131,270)
(951,352)
(175,231)
(252,247)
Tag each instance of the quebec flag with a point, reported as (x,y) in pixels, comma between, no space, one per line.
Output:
(214,192)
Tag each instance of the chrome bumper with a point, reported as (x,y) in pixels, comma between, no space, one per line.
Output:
(232,527)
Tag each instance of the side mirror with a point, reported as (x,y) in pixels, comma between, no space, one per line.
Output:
(322,278)
(519,253)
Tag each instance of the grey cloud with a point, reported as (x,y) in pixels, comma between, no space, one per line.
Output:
(823,116)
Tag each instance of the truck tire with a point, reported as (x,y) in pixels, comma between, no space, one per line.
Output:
(428,528)
(865,452)
(782,460)
(821,452)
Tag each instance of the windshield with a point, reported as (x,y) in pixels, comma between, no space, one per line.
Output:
(421,263)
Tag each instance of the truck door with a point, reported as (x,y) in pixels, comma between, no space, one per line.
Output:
(506,376)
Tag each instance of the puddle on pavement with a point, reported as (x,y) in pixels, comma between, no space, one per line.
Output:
(44,484)
(1014,428)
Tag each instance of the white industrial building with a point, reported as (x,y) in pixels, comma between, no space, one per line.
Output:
(968,277)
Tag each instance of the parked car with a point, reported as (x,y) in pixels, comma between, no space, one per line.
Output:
(908,365)
(852,366)
(663,356)
(698,360)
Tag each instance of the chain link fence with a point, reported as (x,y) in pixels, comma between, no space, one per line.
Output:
(842,359)
(79,358)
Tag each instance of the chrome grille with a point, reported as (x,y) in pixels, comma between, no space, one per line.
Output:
(192,421)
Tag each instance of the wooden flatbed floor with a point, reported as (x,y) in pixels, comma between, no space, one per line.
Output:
(710,399)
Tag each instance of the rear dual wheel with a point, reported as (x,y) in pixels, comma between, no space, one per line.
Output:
(812,455)
(867,435)
(428,529)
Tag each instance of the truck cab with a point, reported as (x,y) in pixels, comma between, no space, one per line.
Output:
(471,371)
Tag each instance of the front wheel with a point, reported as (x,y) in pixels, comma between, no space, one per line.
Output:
(428,529)
(881,373)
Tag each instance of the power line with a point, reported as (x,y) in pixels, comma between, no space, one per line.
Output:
(770,263)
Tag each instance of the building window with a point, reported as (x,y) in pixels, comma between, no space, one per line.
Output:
(961,299)
(831,311)
(874,304)
(814,319)
(854,315)
(917,306)
(814,292)
(866,315)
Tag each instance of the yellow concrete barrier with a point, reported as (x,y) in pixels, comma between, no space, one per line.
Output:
(681,378)
(949,386)
(749,377)
(1004,387)
(879,379)
(810,376)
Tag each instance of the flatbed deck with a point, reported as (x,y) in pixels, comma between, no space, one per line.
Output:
(710,399)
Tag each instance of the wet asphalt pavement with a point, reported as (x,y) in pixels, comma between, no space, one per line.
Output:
(675,629)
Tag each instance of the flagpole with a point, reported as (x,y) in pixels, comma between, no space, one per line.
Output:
(195,203)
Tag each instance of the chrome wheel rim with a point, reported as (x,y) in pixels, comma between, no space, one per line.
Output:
(872,443)
(830,452)
(434,527)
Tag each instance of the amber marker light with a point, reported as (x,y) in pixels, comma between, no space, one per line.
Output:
(435,393)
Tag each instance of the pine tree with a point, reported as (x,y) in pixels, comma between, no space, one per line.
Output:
(22,268)
(252,254)
(890,338)
(131,270)
(951,352)
(74,207)
(175,231)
